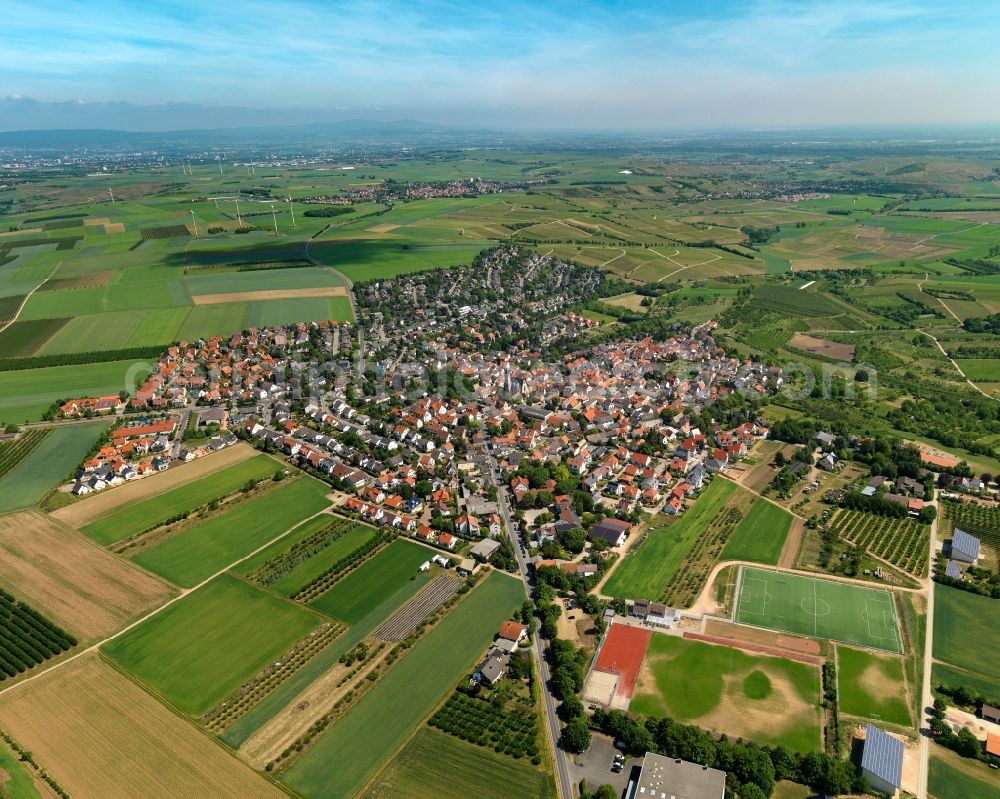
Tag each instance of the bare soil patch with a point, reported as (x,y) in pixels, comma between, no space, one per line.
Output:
(292,722)
(72,580)
(20,232)
(275,294)
(382,228)
(793,541)
(96,220)
(751,635)
(820,346)
(102,736)
(83,512)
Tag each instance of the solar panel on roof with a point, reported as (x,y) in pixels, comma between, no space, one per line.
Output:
(882,756)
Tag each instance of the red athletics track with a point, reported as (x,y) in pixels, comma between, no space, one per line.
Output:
(622,654)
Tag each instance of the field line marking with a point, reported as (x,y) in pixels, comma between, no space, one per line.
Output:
(95,647)
(815,617)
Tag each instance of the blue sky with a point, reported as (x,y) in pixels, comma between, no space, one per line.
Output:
(583,65)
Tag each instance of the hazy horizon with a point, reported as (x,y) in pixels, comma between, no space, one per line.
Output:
(559,66)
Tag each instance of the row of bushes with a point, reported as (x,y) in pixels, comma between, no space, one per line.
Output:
(27,638)
(324,581)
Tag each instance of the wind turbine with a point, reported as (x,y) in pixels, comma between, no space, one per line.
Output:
(112,195)
(239,220)
(291,207)
(219,159)
(195,223)
(274,218)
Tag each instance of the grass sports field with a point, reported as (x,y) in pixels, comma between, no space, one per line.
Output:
(767,699)
(817,608)
(435,765)
(872,686)
(199,551)
(353,597)
(101,735)
(138,516)
(965,631)
(211,642)
(645,572)
(50,462)
(346,756)
(761,534)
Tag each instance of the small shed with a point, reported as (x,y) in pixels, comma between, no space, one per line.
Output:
(990,713)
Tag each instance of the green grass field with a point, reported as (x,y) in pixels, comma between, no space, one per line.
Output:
(965,631)
(199,551)
(767,699)
(210,642)
(872,686)
(292,581)
(352,598)
(950,677)
(26,394)
(285,693)
(953,778)
(645,571)
(139,516)
(435,765)
(985,370)
(346,756)
(761,534)
(47,464)
(818,608)
(16,781)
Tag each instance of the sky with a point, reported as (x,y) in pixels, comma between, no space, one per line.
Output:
(581,65)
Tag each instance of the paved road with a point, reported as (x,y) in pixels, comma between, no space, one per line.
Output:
(926,698)
(564,782)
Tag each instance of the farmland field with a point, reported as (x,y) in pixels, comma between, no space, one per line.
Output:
(17,779)
(53,460)
(138,516)
(256,723)
(818,608)
(361,741)
(203,549)
(103,737)
(94,506)
(761,534)
(86,590)
(309,565)
(953,777)
(350,599)
(902,542)
(951,677)
(210,642)
(766,699)
(26,394)
(23,339)
(965,633)
(435,765)
(872,686)
(13,452)
(645,572)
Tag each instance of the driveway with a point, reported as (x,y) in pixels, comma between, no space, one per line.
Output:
(594,766)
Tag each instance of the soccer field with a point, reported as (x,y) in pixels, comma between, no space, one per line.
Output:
(801,605)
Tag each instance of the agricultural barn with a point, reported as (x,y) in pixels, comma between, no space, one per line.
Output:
(882,761)
(483,549)
(964,547)
(614,531)
(953,570)
(990,713)
(669,777)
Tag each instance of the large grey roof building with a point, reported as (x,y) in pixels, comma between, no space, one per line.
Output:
(667,777)
(882,760)
(964,547)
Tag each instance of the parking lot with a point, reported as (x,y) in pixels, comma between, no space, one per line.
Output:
(594,766)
